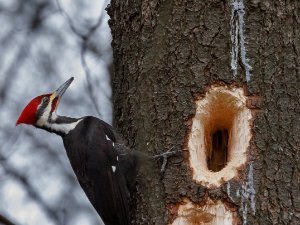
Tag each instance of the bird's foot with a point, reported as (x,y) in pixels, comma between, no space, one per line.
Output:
(172,151)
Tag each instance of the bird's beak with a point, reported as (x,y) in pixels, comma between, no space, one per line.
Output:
(61,90)
(56,95)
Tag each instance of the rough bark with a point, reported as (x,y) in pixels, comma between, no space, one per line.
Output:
(166,54)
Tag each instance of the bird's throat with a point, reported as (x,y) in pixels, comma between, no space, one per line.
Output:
(62,125)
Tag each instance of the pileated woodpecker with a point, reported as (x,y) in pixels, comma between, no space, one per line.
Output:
(94,150)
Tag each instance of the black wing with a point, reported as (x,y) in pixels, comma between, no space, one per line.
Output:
(96,165)
(129,161)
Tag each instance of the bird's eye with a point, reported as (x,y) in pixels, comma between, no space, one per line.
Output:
(45,100)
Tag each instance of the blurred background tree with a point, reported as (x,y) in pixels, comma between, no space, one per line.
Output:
(43,43)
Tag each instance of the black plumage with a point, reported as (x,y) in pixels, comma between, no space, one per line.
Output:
(93,154)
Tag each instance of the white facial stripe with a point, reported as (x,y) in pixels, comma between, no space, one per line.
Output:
(44,117)
(53,116)
(62,127)
(113,168)
(39,106)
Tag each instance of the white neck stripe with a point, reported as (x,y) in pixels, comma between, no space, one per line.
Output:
(62,127)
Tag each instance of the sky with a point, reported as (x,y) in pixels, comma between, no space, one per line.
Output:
(41,47)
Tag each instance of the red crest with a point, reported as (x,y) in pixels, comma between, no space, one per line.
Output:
(28,115)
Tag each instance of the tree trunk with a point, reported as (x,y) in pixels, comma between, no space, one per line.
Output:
(219,79)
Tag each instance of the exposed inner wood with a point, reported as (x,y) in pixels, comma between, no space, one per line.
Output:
(210,213)
(220,136)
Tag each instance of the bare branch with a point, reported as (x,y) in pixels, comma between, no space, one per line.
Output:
(52,214)
(68,18)
(85,38)
(13,70)
(4,220)
(90,87)
(23,52)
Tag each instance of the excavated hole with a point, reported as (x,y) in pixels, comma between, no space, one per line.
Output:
(217,159)
(220,136)
(211,213)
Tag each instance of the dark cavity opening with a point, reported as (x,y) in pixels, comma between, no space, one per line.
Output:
(217,159)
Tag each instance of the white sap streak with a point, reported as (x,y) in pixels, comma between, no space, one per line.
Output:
(228,188)
(228,191)
(251,189)
(242,43)
(247,194)
(235,42)
(238,38)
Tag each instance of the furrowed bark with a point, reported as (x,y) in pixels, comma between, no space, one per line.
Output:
(168,55)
